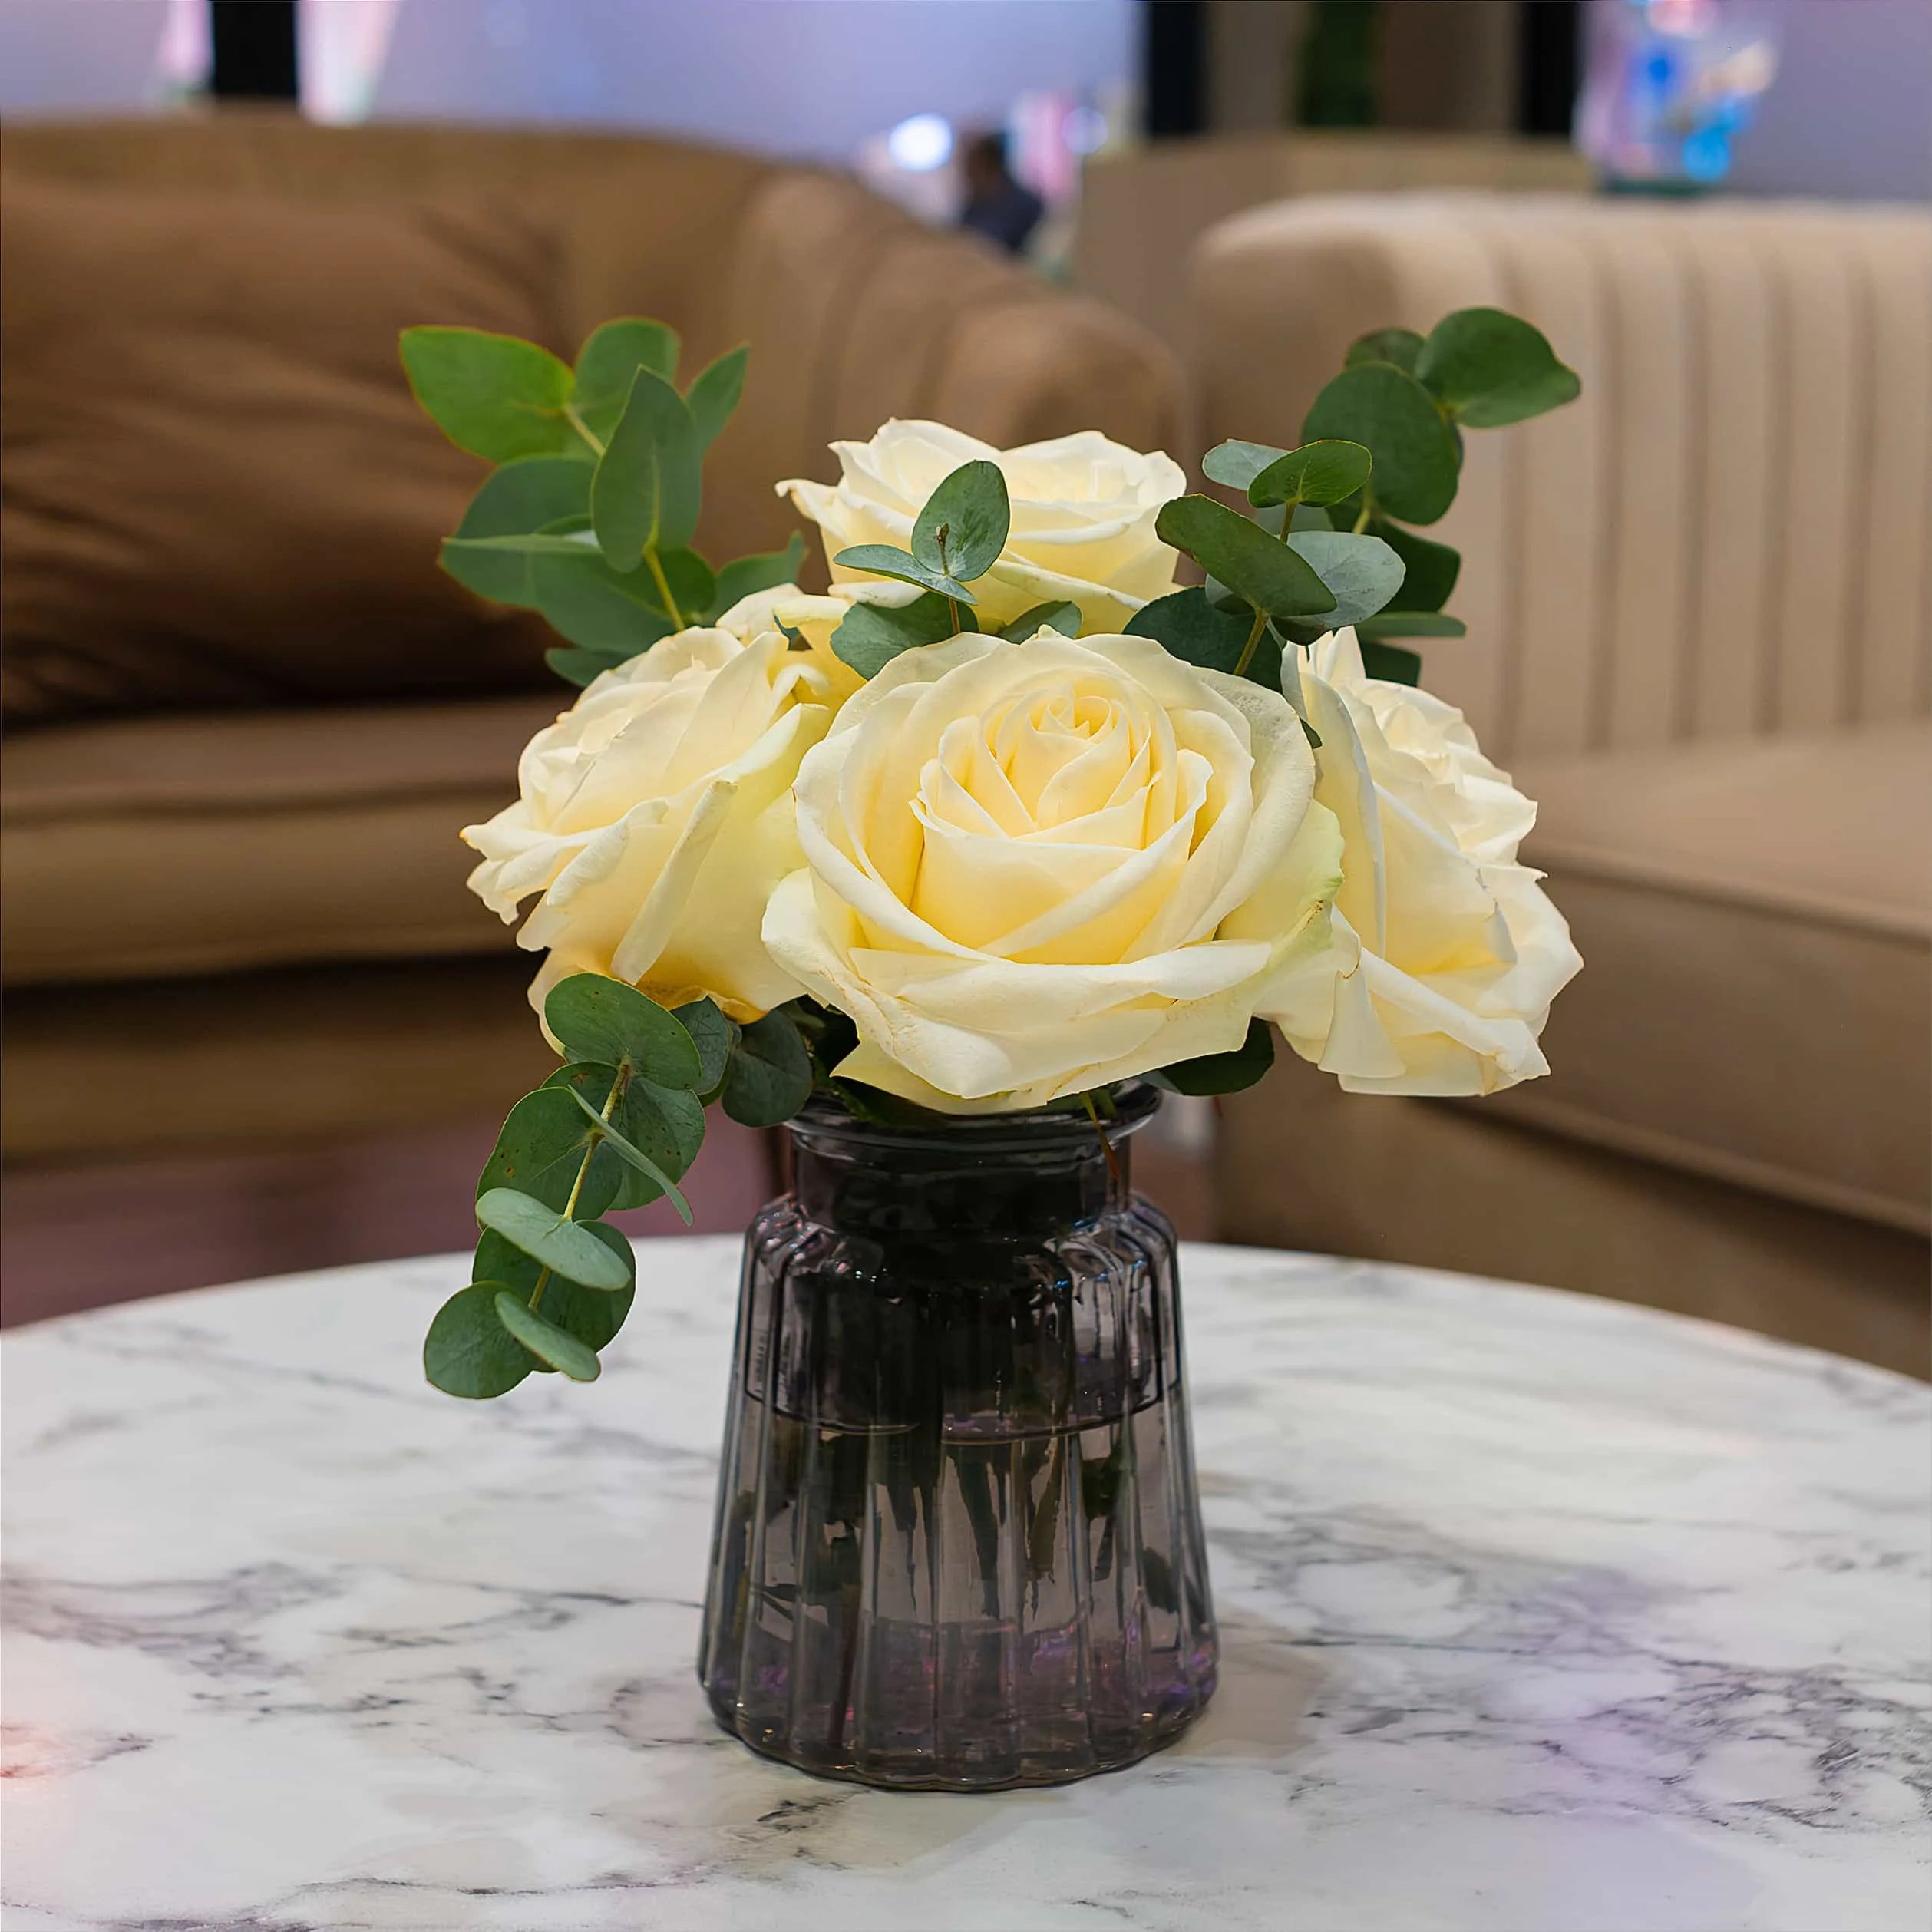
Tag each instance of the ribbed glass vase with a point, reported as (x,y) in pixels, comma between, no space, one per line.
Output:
(958,1545)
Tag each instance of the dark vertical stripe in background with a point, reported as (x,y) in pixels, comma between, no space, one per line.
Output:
(254,50)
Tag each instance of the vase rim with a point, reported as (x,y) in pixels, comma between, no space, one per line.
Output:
(826,1114)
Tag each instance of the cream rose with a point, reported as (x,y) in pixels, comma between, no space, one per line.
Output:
(1031,869)
(1083,512)
(655,817)
(1448,952)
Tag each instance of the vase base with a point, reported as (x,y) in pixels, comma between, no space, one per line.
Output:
(983,1768)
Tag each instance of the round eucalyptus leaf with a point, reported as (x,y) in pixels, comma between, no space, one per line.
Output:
(713,1035)
(541,1150)
(870,636)
(596,1018)
(1400,346)
(1317,473)
(596,608)
(593,1315)
(1237,464)
(746,576)
(467,1351)
(1192,628)
(667,1123)
(564,1246)
(1488,369)
(962,528)
(1061,616)
(1429,568)
(1383,407)
(532,493)
(646,491)
(1224,1073)
(1362,572)
(1266,573)
(769,1075)
(545,1340)
(888,560)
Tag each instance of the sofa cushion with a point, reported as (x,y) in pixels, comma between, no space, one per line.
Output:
(1755,919)
(215,476)
(143,846)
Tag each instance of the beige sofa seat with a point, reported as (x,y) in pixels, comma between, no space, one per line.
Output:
(145,846)
(1756,920)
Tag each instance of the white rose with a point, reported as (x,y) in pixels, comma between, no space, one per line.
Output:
(1083,512)
(1031,869)
(655,817)
(1449,952)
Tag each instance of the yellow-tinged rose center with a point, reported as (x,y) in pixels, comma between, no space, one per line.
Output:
(1050,827)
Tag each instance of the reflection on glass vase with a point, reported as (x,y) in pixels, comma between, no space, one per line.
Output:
(958,1545)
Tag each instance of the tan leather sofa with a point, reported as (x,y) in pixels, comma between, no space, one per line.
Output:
(1701,634)
(235,913)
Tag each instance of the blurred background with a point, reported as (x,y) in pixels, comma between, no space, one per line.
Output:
(254,1023)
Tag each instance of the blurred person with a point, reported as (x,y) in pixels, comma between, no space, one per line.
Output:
(997,206)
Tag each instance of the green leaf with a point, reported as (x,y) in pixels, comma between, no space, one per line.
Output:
(597,1017)
(747,576)
(566,538)
(610,357)
(584,600)
(962,528)
(1192,628)
(1412,623)
(1430,568)
(545,1340)
(527,495)
(1416,456)
(1062,616)
(769,1077)
(667,1123)
(1268,575)
(467,1351)
(562,1246)
(1487,368)
(1400,346)
(871,635)
(713,1035)
(693,588)
(635,1155)
(1237,464)
(1362,572)
(582,668)
(714,394)
(497,396)
(1390,662)
(888,560)
(593,1315)
(1317,473)
(539,1150)
(1224,1073)
(645,493)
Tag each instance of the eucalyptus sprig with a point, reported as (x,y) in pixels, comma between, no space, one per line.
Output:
(617,1127)
(956,538)
(588,518)
(1382,450)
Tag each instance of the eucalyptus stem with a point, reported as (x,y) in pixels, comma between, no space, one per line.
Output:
(583,428)
(616,1094)
(671,609)
(1254,639)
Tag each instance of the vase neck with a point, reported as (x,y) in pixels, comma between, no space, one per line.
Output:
(974,1178)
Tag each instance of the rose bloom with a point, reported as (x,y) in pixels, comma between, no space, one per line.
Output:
(1033,869)
(655,817)
(1083,512)
(1449,951)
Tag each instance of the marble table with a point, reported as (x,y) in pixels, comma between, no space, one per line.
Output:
(1539,1613)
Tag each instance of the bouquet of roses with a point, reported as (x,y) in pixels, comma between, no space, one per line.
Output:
(1007,818)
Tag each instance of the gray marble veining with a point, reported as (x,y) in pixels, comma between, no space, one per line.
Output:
(1540,1614)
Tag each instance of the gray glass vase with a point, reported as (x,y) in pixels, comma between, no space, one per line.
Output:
(958,1543)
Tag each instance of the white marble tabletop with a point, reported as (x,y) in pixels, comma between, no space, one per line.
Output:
(1538,1613)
